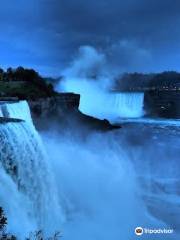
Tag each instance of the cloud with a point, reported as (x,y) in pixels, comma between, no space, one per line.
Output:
(127,55)
(50,32)
(88,64)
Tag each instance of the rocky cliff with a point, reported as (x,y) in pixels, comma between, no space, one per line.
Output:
(162,103)
(52,106)
(63,110)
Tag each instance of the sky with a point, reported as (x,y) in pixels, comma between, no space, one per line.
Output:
(136,35)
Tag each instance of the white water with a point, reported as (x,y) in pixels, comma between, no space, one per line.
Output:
(128,104)
(99,185)
(18,110)
(96,99)
(152,121)
(96,183)
(26,177)
(1,113)
(93,186)
(112,105)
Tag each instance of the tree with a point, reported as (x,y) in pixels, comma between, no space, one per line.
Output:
(19,73)
(1,74)
(9,73)
(3,223)
(3,220)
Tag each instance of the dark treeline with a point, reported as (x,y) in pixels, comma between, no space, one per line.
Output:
(24,83)
(28,84)
(164,80)
(20,74)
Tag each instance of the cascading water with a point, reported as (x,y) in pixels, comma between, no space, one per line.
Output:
(27,175)
(112,105)
(18,110)
(1,113)
(128,105)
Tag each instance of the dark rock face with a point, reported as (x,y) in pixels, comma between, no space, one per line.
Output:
(63,110)
(57,105)
(77,119)
(165,103)
(4,120)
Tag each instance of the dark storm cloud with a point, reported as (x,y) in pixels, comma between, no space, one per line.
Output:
(26,35)
(47,33)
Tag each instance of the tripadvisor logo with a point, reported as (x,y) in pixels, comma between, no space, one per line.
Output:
(139,231)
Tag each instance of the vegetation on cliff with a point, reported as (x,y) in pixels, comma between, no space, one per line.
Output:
(24,84)
(137,81)
(28,84)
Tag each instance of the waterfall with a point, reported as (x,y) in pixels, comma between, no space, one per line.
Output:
(25,170)
(18,110)
(112,105)
(128,105)
(1,113)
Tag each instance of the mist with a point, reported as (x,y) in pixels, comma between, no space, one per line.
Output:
(16,206)
(100,188)
(110,183)
(92,75)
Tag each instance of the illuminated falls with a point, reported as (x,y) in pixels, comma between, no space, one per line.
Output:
(129,104)
(27,188)
(113,105)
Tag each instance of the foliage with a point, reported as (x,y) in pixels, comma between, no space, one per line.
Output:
(24,84)
(133,81)
(3,222)
(169,79)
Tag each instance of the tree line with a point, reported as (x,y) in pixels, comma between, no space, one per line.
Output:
(19,74)
(29,77)
(167,79)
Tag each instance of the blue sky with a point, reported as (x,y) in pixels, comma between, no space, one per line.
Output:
(140,35)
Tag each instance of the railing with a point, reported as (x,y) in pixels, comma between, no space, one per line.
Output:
(9,99)
(145,89)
